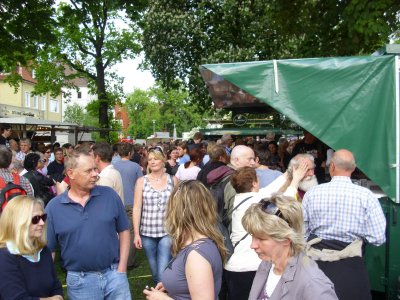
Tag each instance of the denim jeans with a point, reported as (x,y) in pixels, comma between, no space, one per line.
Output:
(106,284)
(158,252)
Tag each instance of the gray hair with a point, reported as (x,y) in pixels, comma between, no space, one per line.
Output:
(343,162)
(295,162)
(225,138)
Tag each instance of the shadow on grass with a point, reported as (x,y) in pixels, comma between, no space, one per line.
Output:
(138,277)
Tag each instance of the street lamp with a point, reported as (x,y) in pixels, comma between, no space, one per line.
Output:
(154,128)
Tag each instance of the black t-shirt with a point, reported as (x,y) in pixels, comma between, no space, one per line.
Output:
(3,140)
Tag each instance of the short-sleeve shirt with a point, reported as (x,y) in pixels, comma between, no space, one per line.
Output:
(87,235)
(130,172)
(174,277)
(153,208)
(189,173)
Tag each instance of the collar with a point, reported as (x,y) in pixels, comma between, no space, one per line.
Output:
(110,166)
(66,200)
(341,178)
(13,249)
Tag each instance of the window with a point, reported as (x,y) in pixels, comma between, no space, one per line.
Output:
(27,99)
(54,105)
(36,102)
(79,95)
(33,74)
(43,102)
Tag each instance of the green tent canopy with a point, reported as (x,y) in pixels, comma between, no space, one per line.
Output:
(346,102)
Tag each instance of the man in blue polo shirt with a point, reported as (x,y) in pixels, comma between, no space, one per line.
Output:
(90,225)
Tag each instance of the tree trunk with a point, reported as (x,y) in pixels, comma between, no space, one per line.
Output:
(103,102)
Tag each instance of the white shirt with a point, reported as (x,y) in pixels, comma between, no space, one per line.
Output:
(245,259)
(110,176)
(187,174)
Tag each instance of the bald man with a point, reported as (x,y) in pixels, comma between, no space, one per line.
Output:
(341,216)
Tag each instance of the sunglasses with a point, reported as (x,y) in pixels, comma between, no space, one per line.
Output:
(36,219)
(157,149)
(271,209)
(48,151)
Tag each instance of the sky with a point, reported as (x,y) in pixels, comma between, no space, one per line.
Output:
(134,78)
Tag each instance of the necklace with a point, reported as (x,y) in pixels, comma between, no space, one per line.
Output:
(156,179)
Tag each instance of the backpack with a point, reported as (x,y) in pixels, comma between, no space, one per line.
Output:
(217,191)
(226,230)
(10,190)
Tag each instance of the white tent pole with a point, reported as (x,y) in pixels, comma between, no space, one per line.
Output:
(276,78)
(397,70)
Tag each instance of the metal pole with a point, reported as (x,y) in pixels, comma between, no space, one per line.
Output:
(154,128)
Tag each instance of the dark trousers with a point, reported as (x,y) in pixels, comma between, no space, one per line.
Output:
(239,284)
(349,276)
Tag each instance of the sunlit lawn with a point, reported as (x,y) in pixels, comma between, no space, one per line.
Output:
(138,277)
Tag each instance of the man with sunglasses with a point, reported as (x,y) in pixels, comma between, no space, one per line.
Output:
(340,216)
(89,223)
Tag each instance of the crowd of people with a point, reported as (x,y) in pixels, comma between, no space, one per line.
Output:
(298,225)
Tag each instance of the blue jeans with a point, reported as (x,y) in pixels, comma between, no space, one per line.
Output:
(106,284)
(158,252)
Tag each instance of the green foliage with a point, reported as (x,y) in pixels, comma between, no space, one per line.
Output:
(166,108)
(25,27)
(75,114)
(179,36)
(92,37)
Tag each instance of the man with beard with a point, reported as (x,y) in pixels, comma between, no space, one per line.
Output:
(309,180)
(311,145)
(338,217)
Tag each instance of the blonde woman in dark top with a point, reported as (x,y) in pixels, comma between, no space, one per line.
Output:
(195,272)
(27,269)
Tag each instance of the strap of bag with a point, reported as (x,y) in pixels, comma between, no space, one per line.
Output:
(2,183)
(237,243)
(236,207)
(16,179)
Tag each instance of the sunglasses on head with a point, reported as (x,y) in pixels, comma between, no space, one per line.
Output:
(36,219)
(156,149)
(271,209)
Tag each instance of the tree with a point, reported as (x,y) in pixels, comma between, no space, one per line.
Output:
(92,36)
(75,114)
(166,108)
(25,27)
(179,36)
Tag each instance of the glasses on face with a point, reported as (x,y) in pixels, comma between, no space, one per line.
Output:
(48,152)
(271,209)
(36,219)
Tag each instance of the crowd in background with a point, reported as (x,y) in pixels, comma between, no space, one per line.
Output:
(170,199)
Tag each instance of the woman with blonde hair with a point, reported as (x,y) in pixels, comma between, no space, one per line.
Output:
(197,246)
(276,227)
(151,196)
(27,269)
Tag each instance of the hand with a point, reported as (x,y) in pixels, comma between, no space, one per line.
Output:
(137,241)
(300,172)
(160,287)
(154,294)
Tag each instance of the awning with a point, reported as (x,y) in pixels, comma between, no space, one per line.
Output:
(347,102)
(248,131)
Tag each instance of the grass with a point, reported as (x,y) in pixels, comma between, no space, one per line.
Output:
(138,277)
